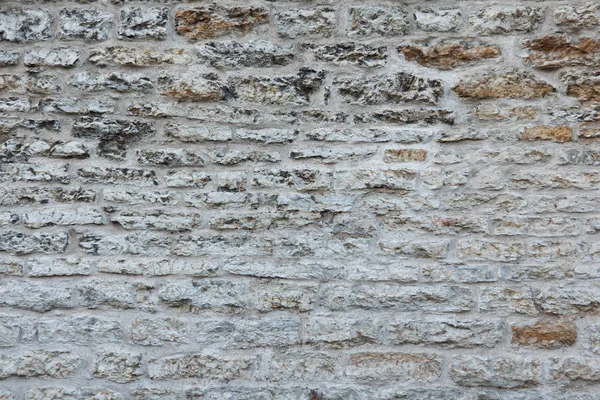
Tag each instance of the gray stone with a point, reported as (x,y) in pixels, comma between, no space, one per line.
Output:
(89,24)
(23,25)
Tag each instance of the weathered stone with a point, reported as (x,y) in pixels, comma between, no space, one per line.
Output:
(290,90)
(54,57)
(544,334)
(449,54)
(31,125)
(9,58)
(115,135)
(574,369)
(444,20)
(577,17)
(142,23)
(49,364)
(156,332)
(212,21)
(51,217)
(301,179)
(415,249)
(118,367)
(494,371)
(35,296)
(14,104)
(138,57)
(190,178)
(403,117)
(397,297)
(171,157)
(200,366)
(512,85)
(408,367)
(110,175)
(349,54)
(158,267)
(235,54)
(23,25)
(402,87)
(554,133)
(80,23)
(404,155)
(305,22)
(282,295)
(458,273)
(83,331)
(193,88)
(243,333)
(446,333)
(234,157)
(568,300)
(503,19)
(45,195)
(77,106)
(120,82)
(213,244)
(37,84)
(116,295)
(137,244)
(339,330)
(555,51)
(518,299)
(377,20)
(19,243)
(156,220)
(198,133)
(582,84)
(581,157)
(331,156)
(489,112)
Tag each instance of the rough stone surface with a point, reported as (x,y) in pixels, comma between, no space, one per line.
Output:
(299,200)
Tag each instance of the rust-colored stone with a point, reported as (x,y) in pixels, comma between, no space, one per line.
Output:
(543,132)
(545,334)
(404,155)
(447,55)
(511,85)
(213,21)
(555,51)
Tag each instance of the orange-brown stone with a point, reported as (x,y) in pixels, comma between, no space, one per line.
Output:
(543,132)
(552,52)
(545,334)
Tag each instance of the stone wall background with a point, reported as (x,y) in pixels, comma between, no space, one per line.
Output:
(330,199)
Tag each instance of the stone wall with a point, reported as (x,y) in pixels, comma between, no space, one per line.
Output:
(299,200)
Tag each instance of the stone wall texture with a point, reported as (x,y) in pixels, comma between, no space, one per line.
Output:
(299,200)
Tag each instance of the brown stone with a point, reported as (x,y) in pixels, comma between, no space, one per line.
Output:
(552,52)
(447,55)
(544,132)
(213,21)
(404,155)
(585,85)
(545,334)
(511,85)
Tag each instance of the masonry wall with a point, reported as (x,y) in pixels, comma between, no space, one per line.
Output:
(333,199)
